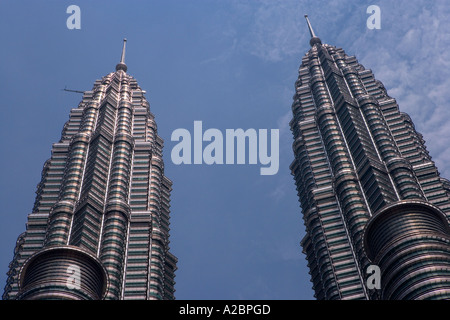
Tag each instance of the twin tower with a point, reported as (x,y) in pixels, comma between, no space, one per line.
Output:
(100,223)
(371,197)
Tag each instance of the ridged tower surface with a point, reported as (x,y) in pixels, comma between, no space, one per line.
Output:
(99,228)
(369,192)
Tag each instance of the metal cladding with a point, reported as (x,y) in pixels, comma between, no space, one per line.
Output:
(359,163)
(102,205)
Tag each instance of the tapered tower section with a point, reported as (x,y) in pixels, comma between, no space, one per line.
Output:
(369,191)
(100,224)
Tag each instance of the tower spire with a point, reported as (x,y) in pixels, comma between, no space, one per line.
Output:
(314,39)
(121,65)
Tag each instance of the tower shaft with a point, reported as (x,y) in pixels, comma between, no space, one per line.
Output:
(356,156)
(101,214)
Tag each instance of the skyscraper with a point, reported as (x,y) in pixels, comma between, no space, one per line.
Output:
(369,191)
(99,228)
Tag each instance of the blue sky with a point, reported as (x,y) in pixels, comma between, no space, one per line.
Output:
(231,64)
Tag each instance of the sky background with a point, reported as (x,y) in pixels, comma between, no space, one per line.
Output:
(231,64)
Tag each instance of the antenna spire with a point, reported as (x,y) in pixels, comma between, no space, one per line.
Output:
(121,65)
(314,39)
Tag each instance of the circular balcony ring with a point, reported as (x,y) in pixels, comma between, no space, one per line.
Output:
(389,223)
(62,273)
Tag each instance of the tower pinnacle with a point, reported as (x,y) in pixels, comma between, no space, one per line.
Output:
(121,65)
(314,39)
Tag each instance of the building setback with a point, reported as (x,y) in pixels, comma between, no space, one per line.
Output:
(99,228)
(369,192)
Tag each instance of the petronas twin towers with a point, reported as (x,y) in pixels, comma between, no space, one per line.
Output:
(100,224)
(370,195)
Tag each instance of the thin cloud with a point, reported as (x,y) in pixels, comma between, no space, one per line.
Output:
(225,55)
(410,56)
(273,26)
